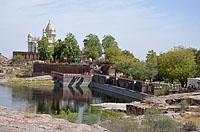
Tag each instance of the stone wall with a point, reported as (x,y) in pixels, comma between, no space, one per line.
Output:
(28,56)
(124,83)
(46,69)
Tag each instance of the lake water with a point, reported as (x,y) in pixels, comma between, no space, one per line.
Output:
(53,101)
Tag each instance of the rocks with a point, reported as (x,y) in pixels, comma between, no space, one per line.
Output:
(12,121)
(137,108)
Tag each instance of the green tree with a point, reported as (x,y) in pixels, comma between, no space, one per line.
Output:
(197,59)
(198,62)
(151,66)
(125,62)
(179,64)
(92,47)
(60,51)
(109,42)
(114,55)
(73,50)
(44,49)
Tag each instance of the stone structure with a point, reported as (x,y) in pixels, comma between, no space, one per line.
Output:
(27,56)
(46,69)
(48,32)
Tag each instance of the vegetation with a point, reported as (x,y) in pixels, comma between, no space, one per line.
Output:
(19,83)
(18,59)
(175,65)
(164,91)
(73,50)
(44,49)
(179,64)
(92,47)
(67,115)
(151,67)
(154,121)
(109,42)
(60,51)
(122,125)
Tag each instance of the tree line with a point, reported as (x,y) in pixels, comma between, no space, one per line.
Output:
(172,66)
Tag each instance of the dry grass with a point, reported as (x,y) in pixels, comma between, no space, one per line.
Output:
(194,119)
(46,84)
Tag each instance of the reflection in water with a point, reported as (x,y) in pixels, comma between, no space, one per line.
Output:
(74,101)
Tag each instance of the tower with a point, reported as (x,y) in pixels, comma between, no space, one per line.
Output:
(50,33)
(32,43)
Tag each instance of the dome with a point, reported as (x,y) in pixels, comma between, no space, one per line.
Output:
(49,27)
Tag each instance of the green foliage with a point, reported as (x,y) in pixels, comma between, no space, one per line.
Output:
(91,118)
(125,62)
(178,63)
(44,49)
(109,42)
(92,47)
(68,115)
(151,67)
(60,51)
(164,91)
(73,50)
(110,114)
(21,83)
(197,59)
(154,121)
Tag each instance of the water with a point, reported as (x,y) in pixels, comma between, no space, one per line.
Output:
(55,101)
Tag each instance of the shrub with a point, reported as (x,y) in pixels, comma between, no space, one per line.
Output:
(154,121)
(110,114)
(164,91)
(121,125)
(68,115)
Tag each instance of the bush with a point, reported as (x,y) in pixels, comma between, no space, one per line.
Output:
(154,121)
(68,115)
(111,114)
(164,91)
(121,125)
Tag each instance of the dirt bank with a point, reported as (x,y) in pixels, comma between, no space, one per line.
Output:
(12,121)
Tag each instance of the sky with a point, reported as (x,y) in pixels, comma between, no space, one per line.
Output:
(137,25)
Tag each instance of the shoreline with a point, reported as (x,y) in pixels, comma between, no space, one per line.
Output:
(11,120)
(42,82)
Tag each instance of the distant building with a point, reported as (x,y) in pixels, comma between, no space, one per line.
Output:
(32,43)
(48,32)
(32,53)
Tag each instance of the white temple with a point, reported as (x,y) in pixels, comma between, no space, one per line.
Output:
(48,32)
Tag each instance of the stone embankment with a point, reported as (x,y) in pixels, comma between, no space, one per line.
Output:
(12,121)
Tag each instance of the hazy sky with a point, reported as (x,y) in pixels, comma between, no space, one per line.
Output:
(138,25)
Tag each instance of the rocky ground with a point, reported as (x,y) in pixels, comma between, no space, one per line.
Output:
(12,121)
